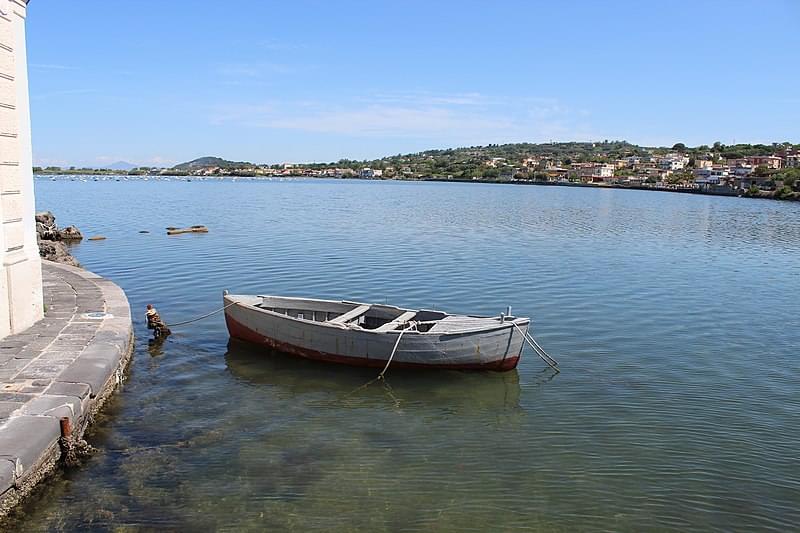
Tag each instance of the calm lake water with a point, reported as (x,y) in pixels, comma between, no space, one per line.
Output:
(675,319)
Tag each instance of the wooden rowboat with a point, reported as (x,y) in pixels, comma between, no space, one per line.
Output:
(373,334)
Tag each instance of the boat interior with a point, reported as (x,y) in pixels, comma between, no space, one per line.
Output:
(375,317)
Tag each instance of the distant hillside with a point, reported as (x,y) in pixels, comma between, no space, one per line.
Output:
(121,165)
(494,160)
(208,162)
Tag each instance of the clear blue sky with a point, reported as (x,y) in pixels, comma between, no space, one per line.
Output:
(160,82)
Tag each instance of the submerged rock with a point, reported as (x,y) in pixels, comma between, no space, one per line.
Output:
(97,238)
(191,229)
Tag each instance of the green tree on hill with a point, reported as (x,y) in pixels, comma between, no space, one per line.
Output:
(761,171)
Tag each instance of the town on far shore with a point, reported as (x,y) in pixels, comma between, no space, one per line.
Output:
(759,170)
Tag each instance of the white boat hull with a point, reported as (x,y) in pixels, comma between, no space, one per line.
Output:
(497,346)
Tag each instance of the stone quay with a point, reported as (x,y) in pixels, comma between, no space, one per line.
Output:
(57,374)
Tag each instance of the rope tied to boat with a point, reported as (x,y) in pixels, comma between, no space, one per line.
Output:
(538,350)
(221,309)
(380,377)
(411,325)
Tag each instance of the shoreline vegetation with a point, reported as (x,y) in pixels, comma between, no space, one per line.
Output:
(769,195)
(747,170)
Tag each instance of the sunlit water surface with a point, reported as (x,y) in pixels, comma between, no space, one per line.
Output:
(674,318)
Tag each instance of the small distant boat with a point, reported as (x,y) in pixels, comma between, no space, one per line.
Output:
(371,335)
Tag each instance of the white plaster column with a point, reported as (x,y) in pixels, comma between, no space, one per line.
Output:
(21,275)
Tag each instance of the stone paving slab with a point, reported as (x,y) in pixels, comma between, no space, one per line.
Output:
(63,366)
(25,439)
(55,406)
(61,388)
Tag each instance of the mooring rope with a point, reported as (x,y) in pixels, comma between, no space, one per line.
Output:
(380,377)
(538,350)
(396,344)
(201,317)
(541,350)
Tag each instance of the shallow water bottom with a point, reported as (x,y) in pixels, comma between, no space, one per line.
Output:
(670,315)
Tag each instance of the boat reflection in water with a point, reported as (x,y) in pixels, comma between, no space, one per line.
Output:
(293,377)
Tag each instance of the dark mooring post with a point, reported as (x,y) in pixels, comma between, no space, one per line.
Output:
(66,427)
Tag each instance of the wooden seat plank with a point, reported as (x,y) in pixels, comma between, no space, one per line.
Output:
(350,315)
(402,319)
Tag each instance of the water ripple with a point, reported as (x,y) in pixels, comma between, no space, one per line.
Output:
(674,318)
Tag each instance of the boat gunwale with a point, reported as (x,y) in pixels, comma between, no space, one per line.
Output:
(519,321)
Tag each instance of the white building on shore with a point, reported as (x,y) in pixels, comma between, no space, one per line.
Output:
(20,267)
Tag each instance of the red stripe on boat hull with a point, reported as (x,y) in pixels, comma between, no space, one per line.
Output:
(240,331)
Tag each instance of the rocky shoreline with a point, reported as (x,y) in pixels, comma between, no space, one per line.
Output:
(52,239)
(766,195)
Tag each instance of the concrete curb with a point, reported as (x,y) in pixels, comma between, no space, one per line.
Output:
(66,365)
